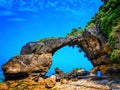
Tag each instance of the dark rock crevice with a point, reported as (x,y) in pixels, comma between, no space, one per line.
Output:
(21,75)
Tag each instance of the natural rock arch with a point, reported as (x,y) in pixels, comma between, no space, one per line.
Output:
(35,58)
(68,58)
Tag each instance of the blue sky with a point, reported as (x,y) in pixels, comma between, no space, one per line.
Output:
(22,21)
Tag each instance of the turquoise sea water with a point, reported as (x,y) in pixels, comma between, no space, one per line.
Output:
(22,21)
(1,76)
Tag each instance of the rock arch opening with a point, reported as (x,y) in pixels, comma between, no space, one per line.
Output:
(40,54)
(68,58)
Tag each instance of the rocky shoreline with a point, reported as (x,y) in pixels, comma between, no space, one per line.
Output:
(51,84)
(61,81)
(100,40)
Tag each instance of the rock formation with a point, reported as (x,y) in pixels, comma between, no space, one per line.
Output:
(100,42)
(31,65)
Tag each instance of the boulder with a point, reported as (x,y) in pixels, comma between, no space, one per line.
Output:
(41,81)
(59,74)
(31,65)
(49,82)
(3,86)
(63,81)
(76,74)
(53,77)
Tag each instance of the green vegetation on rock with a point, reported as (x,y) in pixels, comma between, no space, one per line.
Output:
(75,31)
(2,82)
(51,38)
(111,40)
(115,56)
(20,83)
(76,69)
(108,18)
(90,25)
(117,28)
(38,47)
(57,68)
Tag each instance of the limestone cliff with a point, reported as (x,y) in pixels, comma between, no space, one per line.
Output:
(99,40)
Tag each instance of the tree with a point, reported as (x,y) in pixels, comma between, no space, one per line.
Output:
(104,1)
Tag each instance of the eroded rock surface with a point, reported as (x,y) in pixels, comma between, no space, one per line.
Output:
(31,65)
(100,41)
(35,58)
(47,46)
(51,84)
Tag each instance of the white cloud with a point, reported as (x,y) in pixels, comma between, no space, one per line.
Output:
(53,4)
(16,19)
(61,8)
(65,6)
(31,9)
(7,13)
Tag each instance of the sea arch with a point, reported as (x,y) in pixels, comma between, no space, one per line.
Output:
(68,58)
(35,57)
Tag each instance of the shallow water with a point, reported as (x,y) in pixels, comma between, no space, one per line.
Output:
(2,78)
